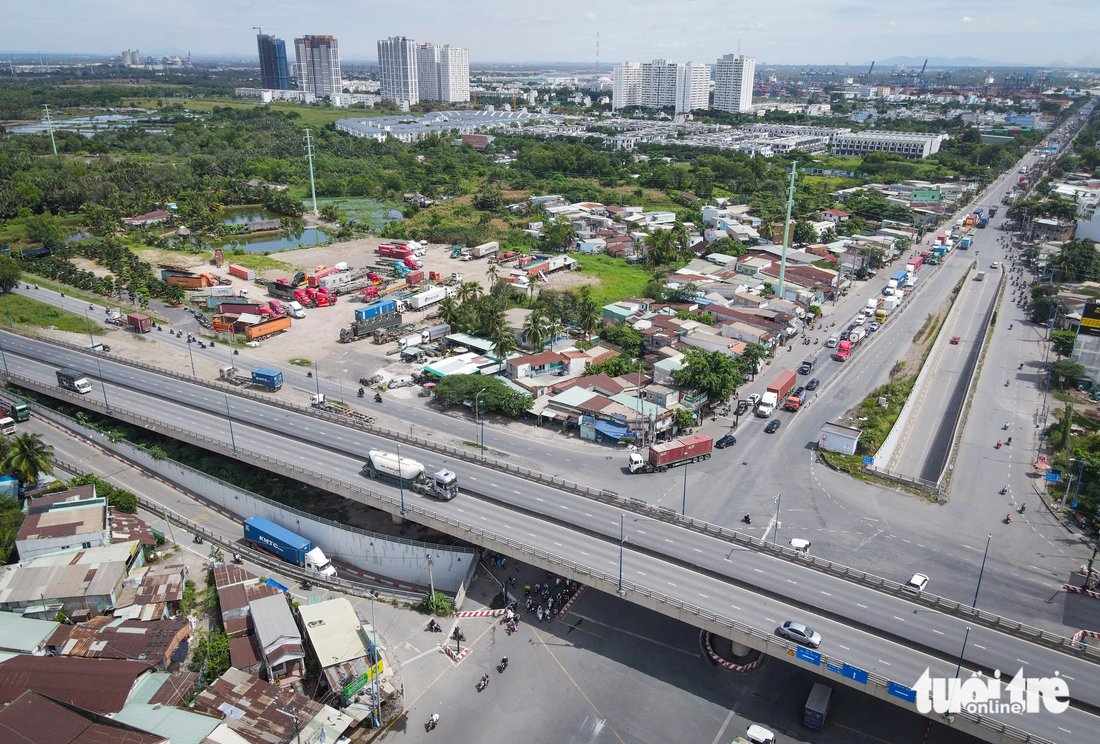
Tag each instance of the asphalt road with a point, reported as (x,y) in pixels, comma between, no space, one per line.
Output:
(702,571)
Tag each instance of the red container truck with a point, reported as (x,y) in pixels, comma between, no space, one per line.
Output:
(140,323)
(843,351)
(394,251)
(661,457)
(776,392)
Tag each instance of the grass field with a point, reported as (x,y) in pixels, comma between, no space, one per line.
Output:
(13,234)
(27,313)
(618,279)
(309,116)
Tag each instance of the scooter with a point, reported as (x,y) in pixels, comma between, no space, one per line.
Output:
(746,519)
(1022,508)
(483,683)
(433,719)
(198,538)
(998,445)
(458,635)
(1004,490)
(361,392)
(502,665)
(378,397)
(433,626)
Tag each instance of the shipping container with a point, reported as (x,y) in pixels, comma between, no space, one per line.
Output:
(241,272)
(140,323)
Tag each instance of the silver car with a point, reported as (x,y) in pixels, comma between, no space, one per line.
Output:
(799,633)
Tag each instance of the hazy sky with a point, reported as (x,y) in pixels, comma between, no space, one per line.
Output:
(1038,32)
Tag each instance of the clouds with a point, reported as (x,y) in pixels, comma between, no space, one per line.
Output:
(781,31)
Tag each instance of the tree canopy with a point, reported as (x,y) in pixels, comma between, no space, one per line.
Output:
(711,372)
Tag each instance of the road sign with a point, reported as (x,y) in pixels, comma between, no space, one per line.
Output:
(805,654)
(901,691)
(1054,475)
(868,460)
(854,673)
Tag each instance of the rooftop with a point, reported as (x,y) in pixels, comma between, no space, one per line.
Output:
(99,685)
(107,637)
(335,631)
(23,634)
(36,719)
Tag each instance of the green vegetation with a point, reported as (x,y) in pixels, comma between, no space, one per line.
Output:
(875,421)
(465,390)
(26,457)
(714,373)
(11,519)
(209,654)
(438,604)
(27,313)
(117,498)
(301,362)
(617,278)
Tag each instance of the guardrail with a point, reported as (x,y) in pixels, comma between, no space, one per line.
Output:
(469,533)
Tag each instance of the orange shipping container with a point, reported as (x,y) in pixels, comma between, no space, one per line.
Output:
(267,328)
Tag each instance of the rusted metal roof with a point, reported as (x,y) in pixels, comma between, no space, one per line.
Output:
(131,527)
(99,685)
(36,719)
(254,708)
(107,637)
(178,686)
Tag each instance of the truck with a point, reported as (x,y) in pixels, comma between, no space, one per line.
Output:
(857,335)
(391,250)
(377,315)
(979,212)
(442,484)
(881,314)
(281,290)
(890,288)
(661,457)
(964,244)
(16,411)
(71,379)
(263,534)
(993,210)
(914,266)
(295,310)
(983,223)
(242,308)
(485,249)
(140,323)
(269,379)
(900,277)
(426,336)
(843,351)
(795,401)
(428,297)
(980,276)
(779,388)
(817,706)
(267,328)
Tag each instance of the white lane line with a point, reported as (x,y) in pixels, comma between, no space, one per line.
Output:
(939,632)
(880,661)
(861,606)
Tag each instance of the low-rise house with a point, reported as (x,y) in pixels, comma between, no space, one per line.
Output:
(836,216)
(102,686)
(279,641)
(349,653)
(538,364)
(25,635)
(104,637)
(149,218)
(34,718)
(153,592)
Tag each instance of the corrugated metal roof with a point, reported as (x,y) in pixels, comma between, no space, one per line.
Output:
(98,685)
(24,634)
(334,631)
(36,719)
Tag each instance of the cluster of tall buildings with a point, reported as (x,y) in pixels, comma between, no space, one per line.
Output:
(411,71)
(684,87)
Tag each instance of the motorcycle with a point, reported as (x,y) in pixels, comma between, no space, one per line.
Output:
(1004,490)
(433,719)
(746,519)
(998,445)
(458,635)
(483,683)
(378,397)
(502,665)
(1022,508)
(433,626)
(198,539)
(361,392)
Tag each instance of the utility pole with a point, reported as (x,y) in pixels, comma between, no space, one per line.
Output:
(431,580)
(49,126)
(786,233)
(312,187)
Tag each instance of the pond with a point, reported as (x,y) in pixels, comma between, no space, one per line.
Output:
(273,242)
(244,215)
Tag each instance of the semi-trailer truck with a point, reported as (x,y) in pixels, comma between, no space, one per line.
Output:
(817,707)
(843,351)
(71,379)
(16,411)
(443,484)
(779,388)
(269,379)
(265,535)
(661,457)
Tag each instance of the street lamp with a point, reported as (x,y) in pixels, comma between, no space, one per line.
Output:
(431,583)
(91,341)
(103,385)
(981,572)
(400,478)
(374,663)
(684,506)
(622,539)
(192,355)
(4,357)
(229,418)
(317,379)
(1080,472)
(778,501)
(477,422)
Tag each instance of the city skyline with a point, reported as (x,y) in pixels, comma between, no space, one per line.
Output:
(1035,32)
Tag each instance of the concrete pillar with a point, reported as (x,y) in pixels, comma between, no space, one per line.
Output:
(739,650)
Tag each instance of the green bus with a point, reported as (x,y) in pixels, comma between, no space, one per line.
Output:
(16,411)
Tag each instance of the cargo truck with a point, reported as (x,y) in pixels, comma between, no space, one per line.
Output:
(424,299)
(269,379)
(661,457)
(265,535)
(795,401)
(140,323)
(964,244)
(817,707)
(16,411)
(426,336)
(394,251)
(843,351)
(71,379)
(778,390)
(485,249)
(377,315)
(267,328)
(993,210)
(295,310)
(443,484)
(281,290)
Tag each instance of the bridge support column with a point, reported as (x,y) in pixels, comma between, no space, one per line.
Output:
(739,650)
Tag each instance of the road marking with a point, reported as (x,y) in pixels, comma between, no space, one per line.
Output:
(517,493)
(735,607)
(641,573)
(697,550)
(900,620)
(861,606)
(704,596)
(845,648)
(1023,662)
(939,632)
(719,736)
(880,661)
(827,594)
(976,645)
(670,583)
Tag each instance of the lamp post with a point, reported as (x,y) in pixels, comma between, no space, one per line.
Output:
(981,572)
(684,505)
(431,583)
(91,341)
(1080,472)
(778,501)
(962,651)
(317,379)
(4,357)
(477,421)
(622,539)
(191,354)
(103,385)
(229,418)
(375,721)
(400,478)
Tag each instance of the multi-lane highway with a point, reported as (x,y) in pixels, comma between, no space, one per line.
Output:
(867,628)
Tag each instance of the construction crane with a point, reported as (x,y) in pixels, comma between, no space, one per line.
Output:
(870,70)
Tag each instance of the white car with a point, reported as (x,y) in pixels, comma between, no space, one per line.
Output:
(832,342)
(995,265)
(860,320)
(917,583)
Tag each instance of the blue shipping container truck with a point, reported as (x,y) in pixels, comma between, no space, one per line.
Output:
(268,378)
(900,277)
(269,537)
(817,707)
(376,309)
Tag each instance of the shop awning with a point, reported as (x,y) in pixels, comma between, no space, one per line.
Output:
(611,429)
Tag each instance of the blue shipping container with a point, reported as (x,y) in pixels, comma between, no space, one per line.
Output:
(376,309)
(267,377)
(900,277)
(266,535)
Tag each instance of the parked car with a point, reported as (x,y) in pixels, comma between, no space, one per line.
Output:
(773,426)
(917,583)
(955,340)
(799,633)
(726,441)
(743,407)
(813,384)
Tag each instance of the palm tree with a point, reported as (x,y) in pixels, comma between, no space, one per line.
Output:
(27,456)
(588,315)
(504,341)
(492,273)
(554,329)
(534,329)
(449,312)
(469,291)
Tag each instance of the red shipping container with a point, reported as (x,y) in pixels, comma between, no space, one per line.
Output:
(241,272)
(415,277)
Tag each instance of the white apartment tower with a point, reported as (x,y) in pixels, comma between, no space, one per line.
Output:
(659,83)
(733,76)
(318,65)
(427,71)
(397,61)
(626,87)
(692,87)
(444,73)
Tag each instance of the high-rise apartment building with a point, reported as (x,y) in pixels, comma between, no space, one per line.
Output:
(318,65)
(733,77)
(626,86)
(427,71)
(692,87)
(454,74)
(274,73)
(659,83)
(397,62)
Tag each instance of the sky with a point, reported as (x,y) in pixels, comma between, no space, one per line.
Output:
(819,32)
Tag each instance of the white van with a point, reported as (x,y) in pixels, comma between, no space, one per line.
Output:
(401,381)
(7,426)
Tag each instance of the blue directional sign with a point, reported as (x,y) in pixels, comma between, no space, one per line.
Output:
(868,460)
(854,673)
(805,654)
(1054,475)
(901,691)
